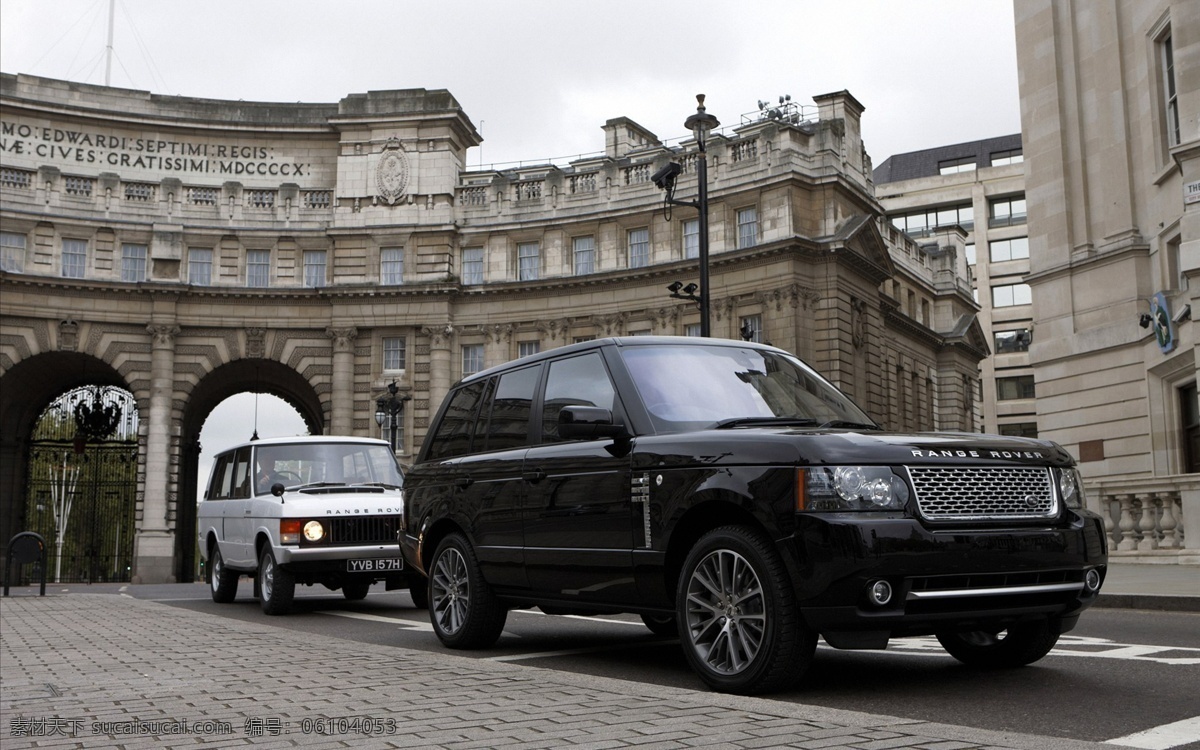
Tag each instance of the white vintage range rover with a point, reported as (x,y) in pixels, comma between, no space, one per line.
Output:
(304,510)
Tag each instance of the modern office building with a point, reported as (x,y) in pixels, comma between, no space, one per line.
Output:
(180,251)
(1110,128)
(977,190)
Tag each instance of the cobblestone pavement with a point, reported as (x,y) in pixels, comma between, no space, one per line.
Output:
(103,671)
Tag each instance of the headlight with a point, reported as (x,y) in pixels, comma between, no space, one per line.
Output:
(850,488)
(1070,488)
(314,531)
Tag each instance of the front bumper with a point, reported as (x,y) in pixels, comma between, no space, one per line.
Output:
(332,557)
(951,578)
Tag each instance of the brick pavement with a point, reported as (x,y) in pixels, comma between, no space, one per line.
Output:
(103,671)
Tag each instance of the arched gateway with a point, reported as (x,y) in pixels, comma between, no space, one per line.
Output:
(187,250)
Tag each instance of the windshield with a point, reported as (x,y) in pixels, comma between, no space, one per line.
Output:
(303,464)
(693,387)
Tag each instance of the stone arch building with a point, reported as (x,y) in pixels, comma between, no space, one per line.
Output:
(189,249)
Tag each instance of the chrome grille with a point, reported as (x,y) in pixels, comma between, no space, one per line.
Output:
(363,530)
(953,493)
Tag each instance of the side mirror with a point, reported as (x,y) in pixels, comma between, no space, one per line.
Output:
(277,489)
(588,423)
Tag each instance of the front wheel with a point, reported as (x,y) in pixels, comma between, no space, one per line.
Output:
(355,590)
(464,611)
(738,619)
(224,581)
(276,586)
(1019,645)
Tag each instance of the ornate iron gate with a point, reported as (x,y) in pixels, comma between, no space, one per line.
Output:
(82,492)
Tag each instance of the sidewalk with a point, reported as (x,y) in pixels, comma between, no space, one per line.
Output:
(1150,586)
(105,671)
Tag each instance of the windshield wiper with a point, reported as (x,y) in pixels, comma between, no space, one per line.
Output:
(850,425)
(771,421)
(384,485)
(312,485)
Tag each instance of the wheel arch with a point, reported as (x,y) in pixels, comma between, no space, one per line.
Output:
(719,509)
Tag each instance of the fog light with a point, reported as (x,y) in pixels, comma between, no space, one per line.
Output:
(880,593)
(1091,579)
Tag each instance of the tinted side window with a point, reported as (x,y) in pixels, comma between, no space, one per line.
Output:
(453,434)
(578,381)
(508,418)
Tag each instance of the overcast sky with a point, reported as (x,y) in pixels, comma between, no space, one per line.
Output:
(540,77)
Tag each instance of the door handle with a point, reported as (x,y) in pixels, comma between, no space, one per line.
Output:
(463,482)
(533,476)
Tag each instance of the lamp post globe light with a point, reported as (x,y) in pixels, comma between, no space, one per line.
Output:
(701,124)
(389,410)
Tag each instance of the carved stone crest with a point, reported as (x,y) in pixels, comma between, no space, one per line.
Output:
(392,173)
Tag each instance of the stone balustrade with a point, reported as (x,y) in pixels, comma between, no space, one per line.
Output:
(1145,518)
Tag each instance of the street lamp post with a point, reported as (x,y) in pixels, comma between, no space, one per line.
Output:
(701,124)
(390,409)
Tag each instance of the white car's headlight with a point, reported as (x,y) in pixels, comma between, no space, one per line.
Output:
(836,488)
(314,531)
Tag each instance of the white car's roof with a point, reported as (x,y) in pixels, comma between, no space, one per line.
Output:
(310,439)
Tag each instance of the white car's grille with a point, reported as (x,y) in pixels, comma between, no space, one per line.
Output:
(364,530)
(951,493)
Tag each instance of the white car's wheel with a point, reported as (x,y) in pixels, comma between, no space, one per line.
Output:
(224,582)
(276,586)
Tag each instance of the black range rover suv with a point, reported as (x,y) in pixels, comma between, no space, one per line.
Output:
(726,492)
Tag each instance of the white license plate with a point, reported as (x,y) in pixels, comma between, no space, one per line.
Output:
(375,565)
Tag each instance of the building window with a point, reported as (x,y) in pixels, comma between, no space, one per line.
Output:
(1001,158)
(1190,420)
(1015,249)
(133,263)
(1011,295)
(1012,342)
(585,255)
(1016,387)
(970,250)
(258,268)
(528,261)
(639,248)
(1006,212)
(752,325)
(528,348)
(393,353)
(1170,96)
(391,266)
(919,223)
(74,258)
(955,166)
(12,252)
(691,238)
(200,266)
(472,265)
(691,329)
(314,268)
(1020,429)
(747,224)
(472,359)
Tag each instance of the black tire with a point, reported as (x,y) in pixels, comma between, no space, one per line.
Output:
(222,580)
(418,589)
(1019,645)
(738,620)
(277,587)
(464,611)
(355,590)
(665,625)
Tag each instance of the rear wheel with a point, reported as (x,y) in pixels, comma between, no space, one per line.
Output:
(464,611)
(277,587)
(224,581)
(1015,647)
(355,590)
(738,619)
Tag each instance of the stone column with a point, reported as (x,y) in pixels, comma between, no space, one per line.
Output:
(440,340)
(154,547)
(341,413)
